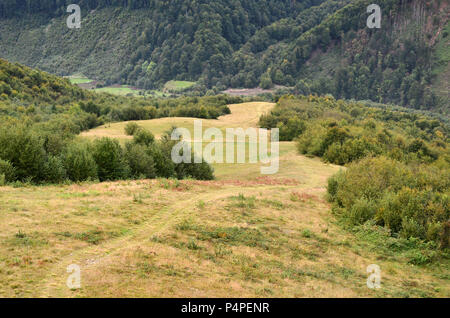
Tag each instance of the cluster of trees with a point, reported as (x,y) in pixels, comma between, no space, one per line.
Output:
(342,57)
(40,115)
(27,156)
(341,132)
(411,201)
(398,161)
(35,96)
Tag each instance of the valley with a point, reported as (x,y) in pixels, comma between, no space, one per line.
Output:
(224,149)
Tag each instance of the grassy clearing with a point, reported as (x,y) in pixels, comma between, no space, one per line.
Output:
(118,90)
(79,80)
(178,86)
(242,235)
(124,90)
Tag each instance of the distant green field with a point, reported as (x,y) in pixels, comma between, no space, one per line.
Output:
(178,85)
(79,80)
(125,90)
(122,90)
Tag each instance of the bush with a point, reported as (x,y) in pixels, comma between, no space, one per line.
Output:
(362,211)
(333,185)
(25,151)
(199,171)
(108,156)
(291,129)
(140,161)
(131,128)
(79,162)
(164,165)
(410,201)
(54,170)
(8,171)
(143,137)
(311,140)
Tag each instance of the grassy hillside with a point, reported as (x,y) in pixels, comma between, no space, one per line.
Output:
(240,235)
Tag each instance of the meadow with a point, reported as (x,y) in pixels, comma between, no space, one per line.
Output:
(126,90)
(240,235)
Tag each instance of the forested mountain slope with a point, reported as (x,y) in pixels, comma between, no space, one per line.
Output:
(139,42)
(318,46)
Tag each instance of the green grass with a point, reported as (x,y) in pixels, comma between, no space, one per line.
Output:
(178,85)
(79,80)
(122,90)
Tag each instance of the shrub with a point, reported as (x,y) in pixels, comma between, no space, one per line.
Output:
(54,170)
(291,129)
(24,150)
(163,163)
(8,171)
(108,156)
(143,137)
(410,201)
(140,161)
(362,211)
(333,184)
(131,128)
(369,178)
(199,171)
(311,140)
(79,162)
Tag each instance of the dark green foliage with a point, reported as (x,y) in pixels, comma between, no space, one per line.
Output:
(59,107)
(159,41)
(164,165)
(131,128)
(37,140)
(316,46)
(341,132)
(412,201)
(108,156)
(79,162)
(24,150)
(54,170)
(7,170)
(199,171)
(91,108)
(140,161)
(293,128)
(143,137)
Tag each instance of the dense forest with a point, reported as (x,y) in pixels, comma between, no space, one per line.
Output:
(316,47)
